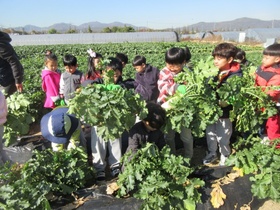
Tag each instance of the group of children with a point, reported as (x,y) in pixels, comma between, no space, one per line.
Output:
(155,87)
(62,86)
(57,85)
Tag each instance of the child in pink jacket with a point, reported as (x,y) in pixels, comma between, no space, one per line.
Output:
(3,119)
(50,80)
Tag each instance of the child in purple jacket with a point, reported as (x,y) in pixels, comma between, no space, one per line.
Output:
(50,80)
(146,79)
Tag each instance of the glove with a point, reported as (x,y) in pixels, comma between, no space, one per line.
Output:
(60,102)
(182,89)
(112,87)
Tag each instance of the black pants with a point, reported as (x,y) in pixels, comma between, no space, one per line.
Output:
(9,90)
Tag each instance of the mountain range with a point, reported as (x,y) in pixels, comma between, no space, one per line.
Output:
(63,27)
(239,24)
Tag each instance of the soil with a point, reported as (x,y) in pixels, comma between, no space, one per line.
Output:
(213,169)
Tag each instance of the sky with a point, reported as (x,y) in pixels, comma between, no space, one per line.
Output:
(155,14)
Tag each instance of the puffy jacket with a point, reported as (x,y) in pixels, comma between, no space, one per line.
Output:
(222,77)
(50,85)
(269,76)
(69,83)
(146,83)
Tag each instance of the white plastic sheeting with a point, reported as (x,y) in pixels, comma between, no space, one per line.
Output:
(257,34)
(226,36)
(262,34)
(90,38)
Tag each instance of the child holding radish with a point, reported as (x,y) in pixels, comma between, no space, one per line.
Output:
(175,59)
(268,74)
(219,133)
(100,147)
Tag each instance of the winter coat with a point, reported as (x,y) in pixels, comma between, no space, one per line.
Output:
(146,83)
(69,83)
(269,76)
(11,70)
(50,85)
(166,85)
(222,77)
(139,136)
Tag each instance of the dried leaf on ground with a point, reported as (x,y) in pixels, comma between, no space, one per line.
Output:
(217,196)
(111,188)
(79,202)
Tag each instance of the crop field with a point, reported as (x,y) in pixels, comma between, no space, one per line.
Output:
(32,58)
(160,180)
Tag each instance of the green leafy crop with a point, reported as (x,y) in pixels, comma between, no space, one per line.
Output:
(160,179)
(251,105)
(198,107)
(18,119)
(48,172)
(261,160)
(113,111)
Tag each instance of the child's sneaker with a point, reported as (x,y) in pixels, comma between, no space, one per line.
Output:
(222,160)
(210,158)
(100,176)
(115,171)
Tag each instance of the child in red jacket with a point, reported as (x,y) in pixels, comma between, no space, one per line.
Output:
(268,74)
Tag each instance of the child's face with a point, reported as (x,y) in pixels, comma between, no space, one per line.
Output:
(71,69)
(140,68)
(51,65)
(175,68)
(117,74)
(96,62)
(269,60)
(222,63)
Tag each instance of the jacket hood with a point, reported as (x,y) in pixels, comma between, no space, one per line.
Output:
(4,37)
(235,67)
(46,72)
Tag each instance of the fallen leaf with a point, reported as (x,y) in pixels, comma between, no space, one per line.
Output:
(111,188)
(217,196)
(79,202)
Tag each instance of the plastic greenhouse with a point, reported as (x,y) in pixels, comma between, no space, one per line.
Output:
(257,34)
(262,34)
(89,38)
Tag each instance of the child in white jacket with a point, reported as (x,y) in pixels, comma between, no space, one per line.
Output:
(3,119)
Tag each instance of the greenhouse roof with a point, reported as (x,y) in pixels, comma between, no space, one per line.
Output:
(262,34)
(89,38)
(256,34)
